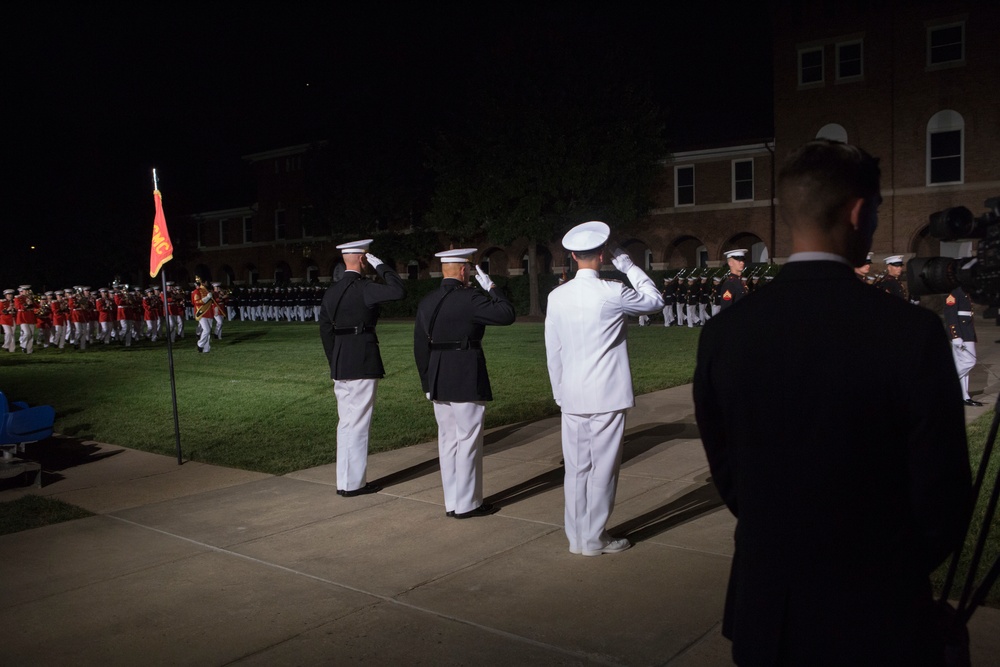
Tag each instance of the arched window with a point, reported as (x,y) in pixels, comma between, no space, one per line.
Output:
(833,132)
(945,148)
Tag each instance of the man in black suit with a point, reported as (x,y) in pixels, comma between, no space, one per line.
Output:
(347,320)
(844,504)
(448,349)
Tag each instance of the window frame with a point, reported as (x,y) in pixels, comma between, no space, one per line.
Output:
(280,223)
(946,120)
(677,186)
(733,180)
(958,62)
(861,60)
(822,66)
(248,226)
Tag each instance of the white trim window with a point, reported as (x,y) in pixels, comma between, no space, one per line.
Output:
(248,229)
(946,148)
(811,66)
(946,44)
(279,224)
(850,60)
(684,185)
(742,180)
(223,232)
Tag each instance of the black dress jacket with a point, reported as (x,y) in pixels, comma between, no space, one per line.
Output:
(347,320)
(845,500)
(450,357)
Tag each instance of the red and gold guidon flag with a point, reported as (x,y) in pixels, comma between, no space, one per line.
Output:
(162,250)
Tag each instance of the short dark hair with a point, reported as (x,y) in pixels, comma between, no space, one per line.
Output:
(821,177)
(588,254)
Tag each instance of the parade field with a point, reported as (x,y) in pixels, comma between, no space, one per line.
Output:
(262,399)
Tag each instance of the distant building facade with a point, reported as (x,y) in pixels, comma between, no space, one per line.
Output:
(912,83)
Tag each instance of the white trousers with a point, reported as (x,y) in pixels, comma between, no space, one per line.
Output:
(218,326)
(81,334)
(965,359)
(668,315)
(205,334)
(692,314)
(126,329)
(106,331)
(355,400)
(28,337)
(592,453)
(460,452)
(9,340)
(59,335)
(152,329)
(681,309)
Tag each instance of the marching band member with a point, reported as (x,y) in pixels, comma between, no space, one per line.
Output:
(8,313)
(25,318)
(204,312)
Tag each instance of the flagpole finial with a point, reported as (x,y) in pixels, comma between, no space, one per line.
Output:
(155,183)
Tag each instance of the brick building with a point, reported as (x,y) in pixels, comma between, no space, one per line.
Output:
(913,83)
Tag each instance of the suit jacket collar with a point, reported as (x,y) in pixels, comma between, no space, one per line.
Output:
(815,270)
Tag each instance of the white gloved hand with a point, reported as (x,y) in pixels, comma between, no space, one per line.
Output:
(206,298)
(621,260)
(483,279)
(373,261)
(428,395)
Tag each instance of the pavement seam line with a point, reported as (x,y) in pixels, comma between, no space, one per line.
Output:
(377,596)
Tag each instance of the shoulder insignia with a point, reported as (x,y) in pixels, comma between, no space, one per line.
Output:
(727,296)
(950,301)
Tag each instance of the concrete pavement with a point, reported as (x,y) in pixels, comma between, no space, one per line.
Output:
(203,565)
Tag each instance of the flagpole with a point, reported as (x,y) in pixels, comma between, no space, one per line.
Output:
(170,353)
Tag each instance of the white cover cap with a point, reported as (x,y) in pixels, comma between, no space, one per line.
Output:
(455,256)
(355,247)
(741,253)
(868,259)
(586,236)
(24,287)
(893,259)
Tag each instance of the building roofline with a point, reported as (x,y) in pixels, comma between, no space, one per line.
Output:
(717,152)
(285,151)
(225,213)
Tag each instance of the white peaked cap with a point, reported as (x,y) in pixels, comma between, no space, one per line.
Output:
(586,236)
(737,254)
(355,247)
(893,259)
(455,256)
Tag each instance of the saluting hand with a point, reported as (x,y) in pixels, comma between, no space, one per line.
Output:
(483,279)
(373,261)
(621,260)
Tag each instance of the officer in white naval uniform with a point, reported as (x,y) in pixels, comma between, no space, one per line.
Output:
(347,322)
(585,344)
(448,350)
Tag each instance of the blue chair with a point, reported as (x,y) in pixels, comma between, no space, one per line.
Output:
(20,424)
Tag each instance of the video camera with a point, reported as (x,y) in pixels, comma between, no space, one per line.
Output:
(979,276)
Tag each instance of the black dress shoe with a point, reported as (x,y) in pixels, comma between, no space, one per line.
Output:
(364,490)
(450,513)
(485,509)
(972,403)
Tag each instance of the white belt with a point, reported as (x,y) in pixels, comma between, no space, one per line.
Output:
(965,313)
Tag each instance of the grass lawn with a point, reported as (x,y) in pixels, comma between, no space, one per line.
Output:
(35,511)
(978,432)
(263,399)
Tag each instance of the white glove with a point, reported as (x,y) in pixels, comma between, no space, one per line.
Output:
(484,279)
(428,395)
(373,261)
(621,260)
(207,297)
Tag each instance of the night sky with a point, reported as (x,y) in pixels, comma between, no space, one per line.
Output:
(95,96)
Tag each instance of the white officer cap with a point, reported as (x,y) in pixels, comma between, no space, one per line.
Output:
(454,256)
(893,259)
(740,254)
(103,289)
(586,236)
(216,284)
(86,288)
(355,247)
(24,287)
(868,259)
(8,291)
(58,292)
